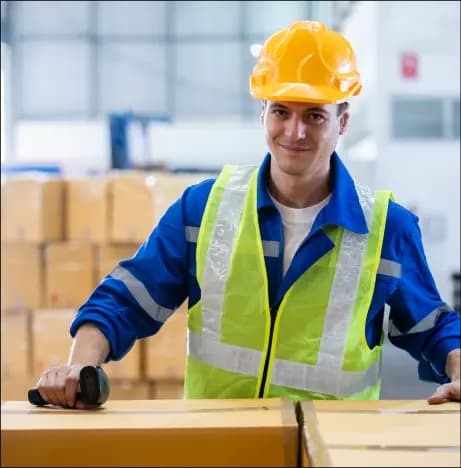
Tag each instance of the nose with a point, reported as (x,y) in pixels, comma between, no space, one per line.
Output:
(295,128)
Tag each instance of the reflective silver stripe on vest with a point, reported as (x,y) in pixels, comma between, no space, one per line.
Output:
(217,262)
(329,377)
(141,295)
(192,234)
(322,379)
(271,248)
(389,268)
(423,325)
(207,348)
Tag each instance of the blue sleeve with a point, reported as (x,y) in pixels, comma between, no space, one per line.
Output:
(420,322)
(136,298)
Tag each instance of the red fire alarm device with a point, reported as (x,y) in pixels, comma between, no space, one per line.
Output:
(409,65)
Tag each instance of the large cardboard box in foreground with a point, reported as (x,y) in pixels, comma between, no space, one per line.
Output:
(380,433)
(253,432)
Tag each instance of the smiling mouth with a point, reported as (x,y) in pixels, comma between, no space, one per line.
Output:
(293,148)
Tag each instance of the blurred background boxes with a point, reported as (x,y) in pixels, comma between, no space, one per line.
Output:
(16,345)
(51,340)
(108,256)
(70,273)
(129,367)
(132,214)
(32,209)
(22,275)
(87,209)
(166,350)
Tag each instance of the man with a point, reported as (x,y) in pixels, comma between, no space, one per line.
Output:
(286,267)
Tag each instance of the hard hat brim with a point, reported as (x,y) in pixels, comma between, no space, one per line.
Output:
(301,92)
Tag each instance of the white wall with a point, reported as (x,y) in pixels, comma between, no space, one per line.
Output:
(208,143)
(81,146)
(423,174)
(77,146)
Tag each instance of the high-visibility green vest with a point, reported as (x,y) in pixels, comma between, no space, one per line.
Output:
(318,348)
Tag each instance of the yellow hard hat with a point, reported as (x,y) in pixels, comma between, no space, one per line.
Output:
(306,63)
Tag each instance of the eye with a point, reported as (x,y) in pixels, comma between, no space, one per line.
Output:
(316,118)
(280,112)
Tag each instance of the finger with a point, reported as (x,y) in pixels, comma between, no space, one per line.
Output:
(71,387)
(59,385)
(439,396)
(46,388)
(56,388)
(41,387)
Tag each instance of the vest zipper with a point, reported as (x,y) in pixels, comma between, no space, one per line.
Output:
(268,353)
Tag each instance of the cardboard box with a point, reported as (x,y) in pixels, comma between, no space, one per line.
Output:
(166,350)
(109,255)
(132,207)
(350,433)
(87,212)
(129,367)
(70,274)
(16,387)
(51,340)
(167,390)
(32,209)
(254,432)
(170,186)
(15,334)
(129,390)
(22,276)
(358,457)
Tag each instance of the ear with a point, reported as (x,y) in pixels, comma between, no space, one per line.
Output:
(343,122)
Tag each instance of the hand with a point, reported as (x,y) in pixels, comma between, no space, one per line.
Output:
(448,391)
(59,386)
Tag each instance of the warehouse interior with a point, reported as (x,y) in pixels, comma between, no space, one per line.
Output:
(111,109)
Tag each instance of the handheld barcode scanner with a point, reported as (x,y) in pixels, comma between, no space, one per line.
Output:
(93,383)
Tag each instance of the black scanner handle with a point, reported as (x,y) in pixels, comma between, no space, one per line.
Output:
(94,388)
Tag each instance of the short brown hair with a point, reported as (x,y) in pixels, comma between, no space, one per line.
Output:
(342,107)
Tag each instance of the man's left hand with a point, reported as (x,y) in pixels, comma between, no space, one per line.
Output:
(449,391)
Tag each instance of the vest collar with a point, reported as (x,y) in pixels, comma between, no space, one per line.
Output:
(342,210)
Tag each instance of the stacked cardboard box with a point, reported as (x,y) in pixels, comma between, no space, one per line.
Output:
(60,238)
(379,433)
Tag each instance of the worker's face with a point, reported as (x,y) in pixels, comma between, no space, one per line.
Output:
(302,136)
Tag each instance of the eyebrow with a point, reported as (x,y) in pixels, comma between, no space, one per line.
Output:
(310,109)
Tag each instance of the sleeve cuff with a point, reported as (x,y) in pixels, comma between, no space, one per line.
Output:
(437,360)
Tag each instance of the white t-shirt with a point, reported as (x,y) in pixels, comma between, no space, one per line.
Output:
(297,222)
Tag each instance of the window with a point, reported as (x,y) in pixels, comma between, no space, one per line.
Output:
(425,118)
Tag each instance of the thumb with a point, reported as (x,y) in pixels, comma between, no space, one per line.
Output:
(439,396)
